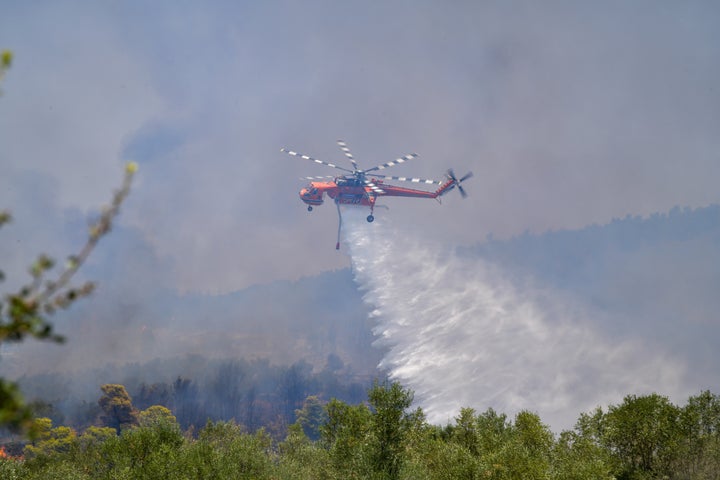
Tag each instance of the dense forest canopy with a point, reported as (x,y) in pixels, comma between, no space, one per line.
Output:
(642,437)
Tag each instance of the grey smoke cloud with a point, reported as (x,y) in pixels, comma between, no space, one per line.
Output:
(568,113)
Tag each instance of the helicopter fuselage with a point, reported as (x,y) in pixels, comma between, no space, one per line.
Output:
(341,191)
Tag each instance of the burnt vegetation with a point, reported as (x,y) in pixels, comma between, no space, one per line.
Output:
(253,393)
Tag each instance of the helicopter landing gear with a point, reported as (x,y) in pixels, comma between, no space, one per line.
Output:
(309,208)
(370,218)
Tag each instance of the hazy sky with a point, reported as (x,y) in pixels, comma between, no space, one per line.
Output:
(569,113)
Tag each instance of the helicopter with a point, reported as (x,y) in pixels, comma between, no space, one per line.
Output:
(363,188)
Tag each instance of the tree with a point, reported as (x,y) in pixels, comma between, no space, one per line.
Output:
(155,394)
(225,390)
(154,415)
(578,456)
(493,430)
(311,416)
(95,435)
(293,387)
(643,434)
(699,450)
(117,406)
(186,403)
(6,57)
(224,450)
(390,425)
(50,440)
(524,452)
(90,455)
(344,435)
(439,453)
(146,452)
(299,458)
(465,431)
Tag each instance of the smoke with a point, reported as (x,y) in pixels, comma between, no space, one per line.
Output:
(461,332)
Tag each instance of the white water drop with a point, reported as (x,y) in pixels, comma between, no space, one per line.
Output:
(459,333)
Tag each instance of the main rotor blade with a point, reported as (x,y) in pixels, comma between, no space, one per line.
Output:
(348,154)
(374,187)
(319,177)
(305,157)
(467,175)
(394,162)
(413,180)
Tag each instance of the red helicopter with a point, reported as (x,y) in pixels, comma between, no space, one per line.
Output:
(359,187)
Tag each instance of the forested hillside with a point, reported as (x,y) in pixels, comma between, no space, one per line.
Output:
(676,249)
(643,276)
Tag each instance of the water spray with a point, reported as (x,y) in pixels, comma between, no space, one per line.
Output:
(460,333)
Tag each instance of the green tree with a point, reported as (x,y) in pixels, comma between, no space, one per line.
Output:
(118,410)
(300,458)
(224,451)
(432,453)
(527,453)
(592,426)
(698,454)
(311,416)
(6,57)
(465,431)
(493,430)
(50,440)
(154,415)
(140,453)
(96,435)
(579,457)
(643,434)
(390,425)
(345,436)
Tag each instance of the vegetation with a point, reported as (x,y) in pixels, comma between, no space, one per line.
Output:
(644,437)
(6,58)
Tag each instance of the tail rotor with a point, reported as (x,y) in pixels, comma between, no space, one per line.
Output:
(455,182)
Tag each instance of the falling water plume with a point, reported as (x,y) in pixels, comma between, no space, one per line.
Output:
(460,333)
